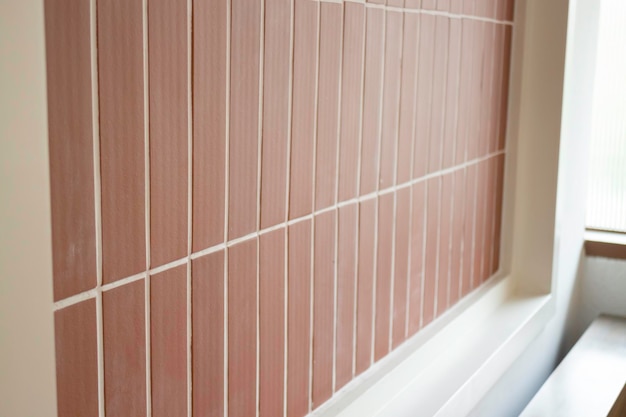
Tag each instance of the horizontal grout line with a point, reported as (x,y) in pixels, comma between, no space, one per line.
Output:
(58,305)
(419,11)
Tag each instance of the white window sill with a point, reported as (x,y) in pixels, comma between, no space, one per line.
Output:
(449,366)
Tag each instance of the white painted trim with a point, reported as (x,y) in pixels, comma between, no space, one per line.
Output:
(27,362)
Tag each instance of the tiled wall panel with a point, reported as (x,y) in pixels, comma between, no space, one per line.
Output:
(254,202)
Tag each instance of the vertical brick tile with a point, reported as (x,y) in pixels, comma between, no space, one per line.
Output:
(346,285)
(497,233)
(76,360)
(384,265)
(468,230)
(272,323)
(473,138)
(207,348)
(456,6)
(372,99)
(490,218)
(395,3)
(424,95)
(433,217)
(457,236)
(452,94)
(70,134)
(443,5)
(328,105)
(504,91)
(121,81)
(412,4)
(323,307)
(429,4)
(351,93)
(391,94)
(487,84)
(480,219)
(401,264)
(299,316)
(407,97)
(468,7)
(242,328)
(209,121)
(438,116)
(244,111)
(509,10)
(303,108)
(275,111)
(168,340)
(123,315)
(498,76)
(445,230)
(167,57)
(465,92)
(416,271)
(365,284)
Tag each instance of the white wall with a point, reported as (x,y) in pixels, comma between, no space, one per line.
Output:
(27,383)
(522,380)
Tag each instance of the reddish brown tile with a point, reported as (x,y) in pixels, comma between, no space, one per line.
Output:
(244,112)
(207,346)
(401,264)
(395,3)
(412,4)
(384,266)
(76,359)
(328,105)
(391,95)
(372,100)
(209,122)
(168,342)
(407,97)
(303,118)
(375,1)
(123,316)
(433,196)
(497,233)
(456,251)
(456,6)
(490,219)
(416,270)
(485,130)
(298,319)
(68,44)
(468,7)
(167,57)
(484,8)
(496,114)
(271,323)
(424,95)
(438,115)
(509,9)
(465,92)
(242,328)
(429,4)
(475,109)
(323,306)
(351,93)
(365,285)
(121,86)
(445,243)
(443,5)
(480,219)
(346,285)
(504,89)
(468,231)
(275,111)
(452,94)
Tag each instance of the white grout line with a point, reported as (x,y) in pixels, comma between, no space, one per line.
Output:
(58,305)
(189,204)
(95,117)
(226,199)
(287,185)
(258,201)
(312,277)
(419,11)
(337,150)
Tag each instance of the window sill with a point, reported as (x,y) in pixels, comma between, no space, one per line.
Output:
(449,366)
(605,244)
